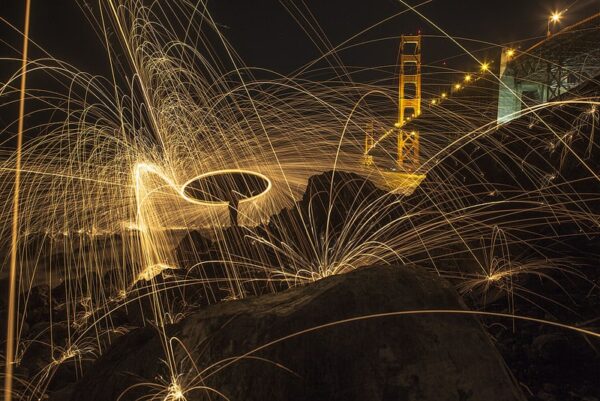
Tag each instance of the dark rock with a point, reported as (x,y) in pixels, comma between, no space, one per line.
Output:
(550,388)
(36,357)
(74,289)
(115,371)
(64,394)
(65,373)
(191,248)
(438,356)
(543,396)
(550,347)
(41,328)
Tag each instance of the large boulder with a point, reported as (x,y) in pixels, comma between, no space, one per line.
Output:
(420,356)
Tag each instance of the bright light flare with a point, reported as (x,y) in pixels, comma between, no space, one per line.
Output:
(556,17)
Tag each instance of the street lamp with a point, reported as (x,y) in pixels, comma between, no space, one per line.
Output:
(554,19)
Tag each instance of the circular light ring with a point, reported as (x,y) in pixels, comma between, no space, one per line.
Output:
(204,197)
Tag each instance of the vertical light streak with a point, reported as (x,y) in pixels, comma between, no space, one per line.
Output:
(10,327)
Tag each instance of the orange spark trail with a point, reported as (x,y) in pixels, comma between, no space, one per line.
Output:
(10,327)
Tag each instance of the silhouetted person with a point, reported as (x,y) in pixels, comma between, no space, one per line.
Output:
(234,202)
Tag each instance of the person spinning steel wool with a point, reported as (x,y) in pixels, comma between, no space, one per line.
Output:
(233,199)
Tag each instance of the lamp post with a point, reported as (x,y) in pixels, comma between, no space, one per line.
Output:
(553,19)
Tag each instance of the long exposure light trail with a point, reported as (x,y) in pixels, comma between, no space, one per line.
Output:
(120,190)
(12,290)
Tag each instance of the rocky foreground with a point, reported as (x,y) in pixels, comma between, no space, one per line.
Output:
(405,357)
(287,346)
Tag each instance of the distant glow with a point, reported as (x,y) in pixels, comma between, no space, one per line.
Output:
(444,95)
(510,52)
(556,17)
(485,67)
(468,78)
(457,86)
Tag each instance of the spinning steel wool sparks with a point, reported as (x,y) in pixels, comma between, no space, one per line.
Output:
(120,188)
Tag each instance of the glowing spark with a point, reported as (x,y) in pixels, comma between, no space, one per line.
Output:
(152,271)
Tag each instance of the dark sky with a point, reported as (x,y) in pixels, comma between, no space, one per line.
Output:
(266,35)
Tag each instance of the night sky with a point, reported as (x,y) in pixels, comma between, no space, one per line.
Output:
(266,35)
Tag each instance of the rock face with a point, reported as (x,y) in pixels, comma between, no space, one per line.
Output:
(426,357)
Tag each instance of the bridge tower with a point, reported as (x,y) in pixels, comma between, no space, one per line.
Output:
(409,100)
(369,144)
